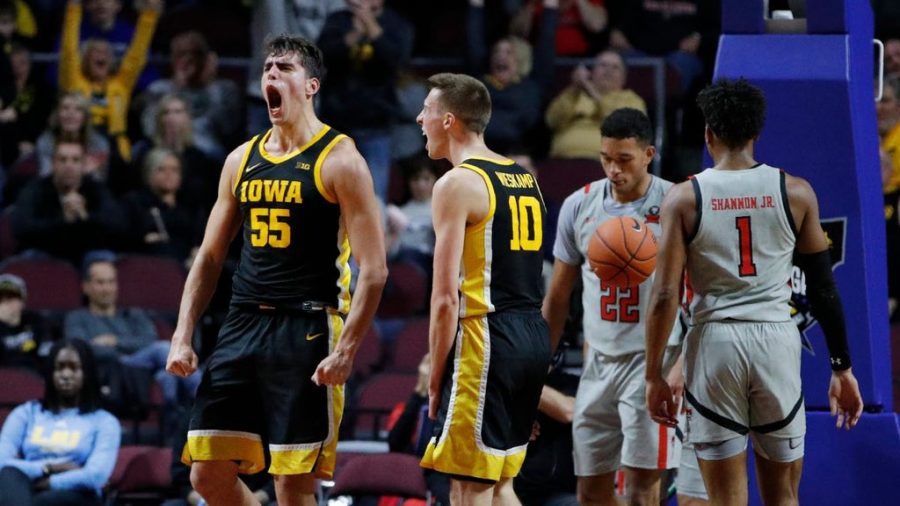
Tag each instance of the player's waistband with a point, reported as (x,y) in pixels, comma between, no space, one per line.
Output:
(304,308)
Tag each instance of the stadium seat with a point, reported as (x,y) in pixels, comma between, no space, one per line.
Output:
(560,177)
(410,346)
(142,474)
(406,291)
(8,244)
(376,398)
(53,285)
(18,386)
(369,354)
(150,282)
(394,474)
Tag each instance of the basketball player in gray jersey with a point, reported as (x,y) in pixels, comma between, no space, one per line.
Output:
(610,423)
(735,228)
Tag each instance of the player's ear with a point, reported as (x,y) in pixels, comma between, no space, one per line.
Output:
(650,151)
(448,121)
(312,86)
(707,135)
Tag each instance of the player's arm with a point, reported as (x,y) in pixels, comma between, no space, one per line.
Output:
(557,405)
(813,257)
(566,269)
(662,308)
(555,308)
(450,206)
(346,176)
(224,222)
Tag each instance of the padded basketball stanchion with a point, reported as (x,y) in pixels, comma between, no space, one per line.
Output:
(821,125)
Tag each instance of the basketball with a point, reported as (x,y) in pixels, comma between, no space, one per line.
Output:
(622,252)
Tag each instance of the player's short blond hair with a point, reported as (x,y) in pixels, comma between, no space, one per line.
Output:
(465,97)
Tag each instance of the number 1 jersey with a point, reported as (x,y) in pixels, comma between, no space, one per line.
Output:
(295,246)
(740,258)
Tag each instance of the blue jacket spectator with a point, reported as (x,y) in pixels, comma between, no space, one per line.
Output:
(62,449)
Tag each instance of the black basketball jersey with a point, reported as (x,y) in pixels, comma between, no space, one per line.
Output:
(502,259)
(295,246)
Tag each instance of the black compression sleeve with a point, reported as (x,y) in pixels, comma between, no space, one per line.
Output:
(826,306)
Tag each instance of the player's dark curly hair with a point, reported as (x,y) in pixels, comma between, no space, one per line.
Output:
(735,111)
(310,55)
(627,122)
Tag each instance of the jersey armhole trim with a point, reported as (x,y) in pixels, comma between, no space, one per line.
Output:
(786,203)
(317,170)
(491,196)
(243,165)
(698,203)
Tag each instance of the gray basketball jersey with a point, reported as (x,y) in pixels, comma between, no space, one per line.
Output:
(740,259)
(613,317)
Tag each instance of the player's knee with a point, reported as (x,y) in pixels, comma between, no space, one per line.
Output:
(592,491)
(295,483)
(208,478)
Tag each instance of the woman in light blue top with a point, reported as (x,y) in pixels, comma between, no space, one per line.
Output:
(60,450)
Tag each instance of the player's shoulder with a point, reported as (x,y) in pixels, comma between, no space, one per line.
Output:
(798,188)
(343,156)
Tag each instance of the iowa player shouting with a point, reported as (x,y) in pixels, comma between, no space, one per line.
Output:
(301,194)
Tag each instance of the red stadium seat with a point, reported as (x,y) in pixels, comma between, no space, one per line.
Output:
(369,353)
(52,284)
(395,474)
(406,291)
(8,243)
(18,386)
(560,177)
(150,282)
(410,346)
(142,473)
(375,400)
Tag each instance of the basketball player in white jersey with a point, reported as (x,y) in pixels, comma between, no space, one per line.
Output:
(735,228)
(611,425)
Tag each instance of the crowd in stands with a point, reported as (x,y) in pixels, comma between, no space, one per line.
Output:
(116,117)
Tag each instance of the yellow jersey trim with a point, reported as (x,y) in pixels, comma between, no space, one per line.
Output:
(317,169)
(498,161)
(242,166)
(278,159)
(490,188)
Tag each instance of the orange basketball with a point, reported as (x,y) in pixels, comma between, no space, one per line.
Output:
(622,252)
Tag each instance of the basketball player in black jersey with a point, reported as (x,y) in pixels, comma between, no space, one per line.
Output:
(300,194)
(490,346)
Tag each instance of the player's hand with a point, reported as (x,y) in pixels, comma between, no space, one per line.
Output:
(434,402)
(182,360)
(675,379)
(333,369)
(660,402)
(844,398)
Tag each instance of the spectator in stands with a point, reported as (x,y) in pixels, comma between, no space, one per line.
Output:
(892,233)
(95,74)
(70,122)
(66,214)
(174,130)
(300,17)
(23,115)
(365,47)
(62,449)
(160,222)
(548,473)
(576,114)
(581,24)
(671,30)
(888,115)
(892,58)
(407,140)
(409,228)
(214,104)
(126,336)
(518,85)
(25,337)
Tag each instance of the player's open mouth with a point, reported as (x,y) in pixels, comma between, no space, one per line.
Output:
(273,98)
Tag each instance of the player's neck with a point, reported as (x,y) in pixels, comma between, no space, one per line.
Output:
(735,159)
(469,146)
(290,135)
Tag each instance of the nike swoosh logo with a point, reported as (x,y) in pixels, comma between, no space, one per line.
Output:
(636,226)
(310,337)
(253,166)
(792,444)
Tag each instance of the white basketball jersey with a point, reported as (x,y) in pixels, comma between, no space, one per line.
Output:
(740,259)
(614,318)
